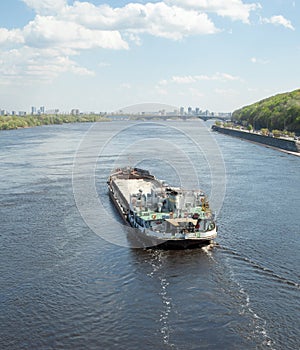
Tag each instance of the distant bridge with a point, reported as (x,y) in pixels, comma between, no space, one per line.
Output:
(153,116)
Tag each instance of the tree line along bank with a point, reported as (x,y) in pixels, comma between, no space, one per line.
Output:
(16,122)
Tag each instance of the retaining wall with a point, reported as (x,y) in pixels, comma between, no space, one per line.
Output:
(288,145)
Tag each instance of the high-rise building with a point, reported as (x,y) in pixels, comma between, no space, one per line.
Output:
(52,111)
(181,110)
(75,111)
(33,110)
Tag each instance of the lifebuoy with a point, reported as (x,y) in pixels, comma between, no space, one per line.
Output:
(211,226)
(153,216)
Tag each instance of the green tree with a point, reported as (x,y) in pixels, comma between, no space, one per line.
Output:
(264,131)
(279,112)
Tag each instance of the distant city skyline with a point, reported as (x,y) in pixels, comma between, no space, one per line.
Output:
(138,109)
(96,55)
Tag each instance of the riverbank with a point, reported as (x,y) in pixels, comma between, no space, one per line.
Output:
(280,144)
(18,122)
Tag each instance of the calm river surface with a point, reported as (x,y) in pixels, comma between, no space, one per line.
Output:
(66,284)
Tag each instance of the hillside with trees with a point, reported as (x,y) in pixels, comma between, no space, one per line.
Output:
(279,112)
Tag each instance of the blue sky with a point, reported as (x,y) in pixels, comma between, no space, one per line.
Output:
(102,55)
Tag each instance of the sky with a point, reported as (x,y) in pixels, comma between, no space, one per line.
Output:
(100,55)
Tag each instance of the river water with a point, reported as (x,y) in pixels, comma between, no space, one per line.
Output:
(70,279)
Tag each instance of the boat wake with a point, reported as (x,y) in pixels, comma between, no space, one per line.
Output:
(260,324)
(157,263)
(207,249)
(266,271)
(245,308)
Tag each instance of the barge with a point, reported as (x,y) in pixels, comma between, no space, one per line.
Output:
(161,215)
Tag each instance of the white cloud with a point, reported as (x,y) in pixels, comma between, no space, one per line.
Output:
(225,77)
(258,60)
(163,82)
(50,68)
(44,46)
(157,19)
(189,79)
(26,65)
(47,31)
(234,9)
(10,36)
(46,7)
(64,28)
(174,22)
(69,29)
(279,20)
(133,38)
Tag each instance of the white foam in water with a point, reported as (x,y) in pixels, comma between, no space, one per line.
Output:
(165,329)
(260,323)
(164,316)
(208,251)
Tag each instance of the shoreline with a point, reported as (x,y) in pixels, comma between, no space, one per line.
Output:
(261,140)
(297,154)
(20,127)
